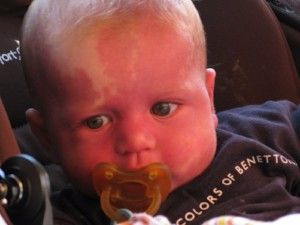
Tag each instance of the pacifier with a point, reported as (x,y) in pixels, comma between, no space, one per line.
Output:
(140,190)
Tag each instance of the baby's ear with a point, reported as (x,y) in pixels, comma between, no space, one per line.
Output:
(37,126)
(210,87)
(210,83)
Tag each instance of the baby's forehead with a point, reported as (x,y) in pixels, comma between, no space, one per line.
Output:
(119,36)
(119,41)
(108,70)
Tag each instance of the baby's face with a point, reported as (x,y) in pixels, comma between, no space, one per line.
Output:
(130,96)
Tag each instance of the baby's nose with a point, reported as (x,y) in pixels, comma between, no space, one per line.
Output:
(134,137)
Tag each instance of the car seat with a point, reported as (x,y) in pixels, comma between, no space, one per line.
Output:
(13,90)
(249,51)
(8,144)
(288,14)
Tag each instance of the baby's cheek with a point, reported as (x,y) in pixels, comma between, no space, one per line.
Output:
(189,159)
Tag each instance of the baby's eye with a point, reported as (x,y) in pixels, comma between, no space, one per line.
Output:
(163,109)
(97,122)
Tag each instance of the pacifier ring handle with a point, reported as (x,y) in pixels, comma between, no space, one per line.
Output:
(155,203)
(117,215)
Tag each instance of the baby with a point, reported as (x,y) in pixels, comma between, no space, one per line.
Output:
(120,85)
(126,82)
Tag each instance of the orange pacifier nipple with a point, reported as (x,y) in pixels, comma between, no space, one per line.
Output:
(140,190)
